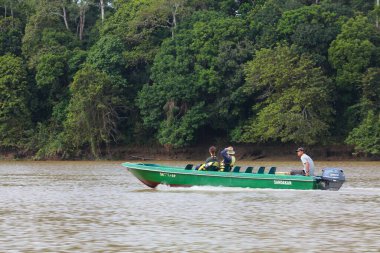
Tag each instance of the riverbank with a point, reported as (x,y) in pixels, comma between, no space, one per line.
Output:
(244,152)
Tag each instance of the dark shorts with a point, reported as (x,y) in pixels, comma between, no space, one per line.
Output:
(297,172)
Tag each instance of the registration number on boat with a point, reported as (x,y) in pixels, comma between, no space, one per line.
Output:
(163,174)
(282,182)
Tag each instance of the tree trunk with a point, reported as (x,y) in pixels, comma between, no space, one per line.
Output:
(377,15)
(174,16)
(65,17)
(82,19)
(12,16)
(102,9)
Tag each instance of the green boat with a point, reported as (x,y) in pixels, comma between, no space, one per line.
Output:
(154,174)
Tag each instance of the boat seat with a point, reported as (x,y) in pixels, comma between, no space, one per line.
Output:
(189,167)
(249,170)
(261,170)
(272,170)
(236,169)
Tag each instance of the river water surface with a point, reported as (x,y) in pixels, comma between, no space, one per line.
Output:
(101,207)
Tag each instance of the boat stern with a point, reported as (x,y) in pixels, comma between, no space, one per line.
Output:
(332,179)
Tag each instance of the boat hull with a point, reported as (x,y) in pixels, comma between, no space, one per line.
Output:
(153,175)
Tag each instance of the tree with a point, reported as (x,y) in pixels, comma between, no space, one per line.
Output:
(366,137)
(195,77)
(370,88)
(353,51)
(264,18)
(8,6)
(107,55)
(14,113)
(83,6)
(141,38)
(350,54)
(292,98)
(10,36)
(362,5)
(160,14)
(143,25)
(60,8)
(311,28)
(47,46)
(102,8)
(92,109)
(50,66)
(50,75)
(44,32)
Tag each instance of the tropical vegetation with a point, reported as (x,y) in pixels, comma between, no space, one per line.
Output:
(80,77)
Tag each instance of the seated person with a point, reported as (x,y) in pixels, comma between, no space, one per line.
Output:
(308,164)
(228,159)
(211,162)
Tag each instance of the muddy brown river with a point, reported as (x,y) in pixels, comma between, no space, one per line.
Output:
(101,207)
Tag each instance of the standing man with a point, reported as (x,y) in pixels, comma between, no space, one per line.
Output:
(308,164)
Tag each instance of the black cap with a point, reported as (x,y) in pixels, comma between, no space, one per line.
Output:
(300,149)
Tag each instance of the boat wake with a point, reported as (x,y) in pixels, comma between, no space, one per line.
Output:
(215,189)
(202,188)
(367,189)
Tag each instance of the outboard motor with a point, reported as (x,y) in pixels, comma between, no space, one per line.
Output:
(331,179)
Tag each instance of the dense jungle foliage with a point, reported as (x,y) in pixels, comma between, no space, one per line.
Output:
(91,75)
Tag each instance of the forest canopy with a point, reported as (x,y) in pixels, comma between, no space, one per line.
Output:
(81,76)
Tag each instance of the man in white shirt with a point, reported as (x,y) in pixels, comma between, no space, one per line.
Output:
(308,164)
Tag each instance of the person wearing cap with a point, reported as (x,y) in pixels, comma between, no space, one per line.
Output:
(211,162)
(228,161)
(308,164)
